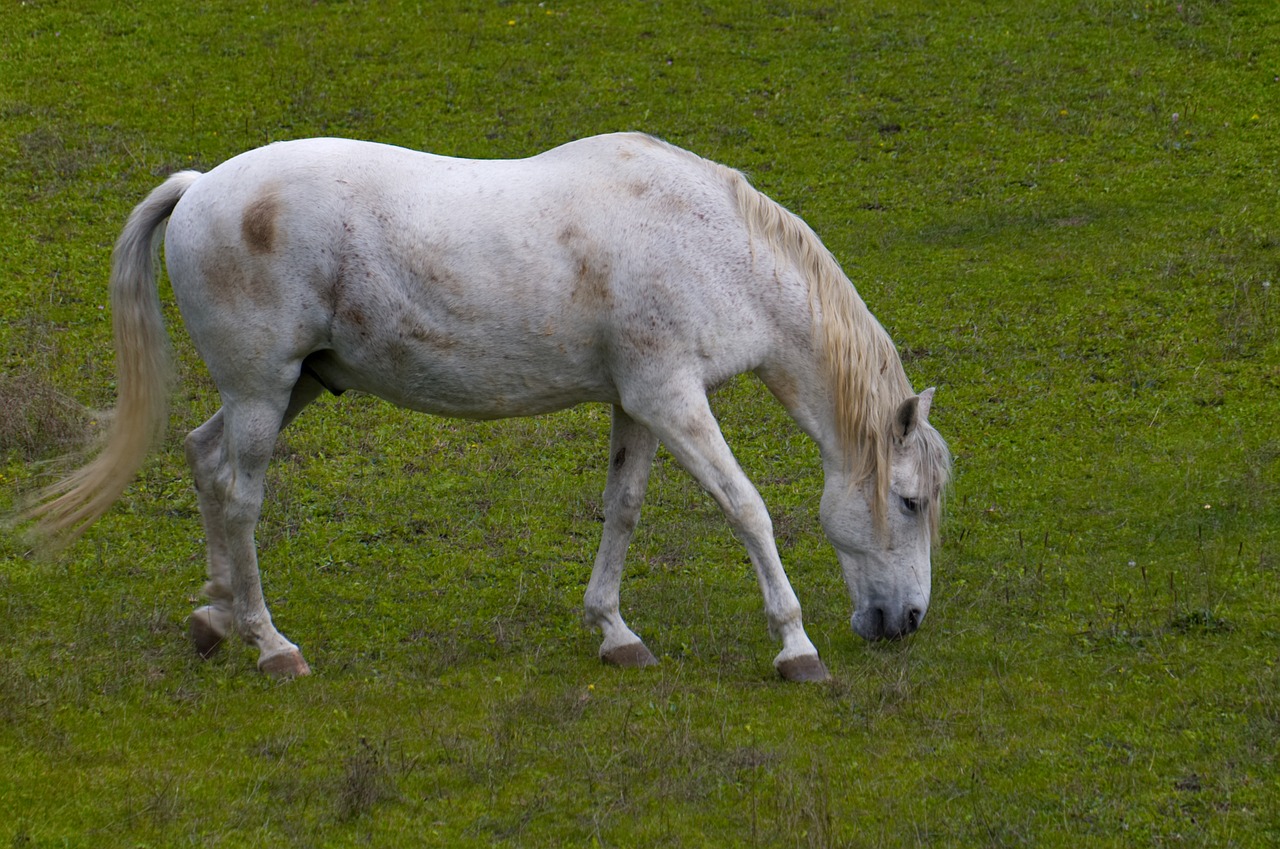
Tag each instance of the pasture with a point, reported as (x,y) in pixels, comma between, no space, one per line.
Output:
(1064,214)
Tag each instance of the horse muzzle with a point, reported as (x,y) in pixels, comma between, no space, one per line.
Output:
(878,622)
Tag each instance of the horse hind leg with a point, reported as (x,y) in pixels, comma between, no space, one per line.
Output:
(209,624)
(631,452)
(206,449)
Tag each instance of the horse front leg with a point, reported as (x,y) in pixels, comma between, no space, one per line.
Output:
(682,419)
(631,452)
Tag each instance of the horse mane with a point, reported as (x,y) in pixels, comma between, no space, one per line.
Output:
(863,370)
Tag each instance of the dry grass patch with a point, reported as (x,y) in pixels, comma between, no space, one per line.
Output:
(36,420)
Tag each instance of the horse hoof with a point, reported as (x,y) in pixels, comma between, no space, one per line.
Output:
(632,655)
(285,665)
(806,667)
(204,635)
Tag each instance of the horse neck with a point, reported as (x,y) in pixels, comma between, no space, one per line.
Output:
(848,383)
(845,384)
(842,382)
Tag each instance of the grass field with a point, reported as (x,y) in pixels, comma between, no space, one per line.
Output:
(1064,213)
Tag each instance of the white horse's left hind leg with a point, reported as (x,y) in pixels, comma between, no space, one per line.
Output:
(206,452)
(631,452)
(209,624)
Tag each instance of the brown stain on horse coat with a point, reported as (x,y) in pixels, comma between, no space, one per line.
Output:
(591,283)
(591,268)
(258,224)
(233,276)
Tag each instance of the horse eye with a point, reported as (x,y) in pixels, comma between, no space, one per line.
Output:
(911,505)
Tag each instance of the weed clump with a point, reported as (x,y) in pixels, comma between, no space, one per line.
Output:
(37,420)
(1200,622)
(369,777)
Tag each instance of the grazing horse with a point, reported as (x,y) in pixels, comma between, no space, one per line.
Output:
(615,269)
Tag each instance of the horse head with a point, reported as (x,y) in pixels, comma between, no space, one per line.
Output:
(886,559)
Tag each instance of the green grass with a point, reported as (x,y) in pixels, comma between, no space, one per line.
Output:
(1065,214)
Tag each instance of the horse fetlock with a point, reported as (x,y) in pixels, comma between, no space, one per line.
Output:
(217,592)
(596,614)
(787,624)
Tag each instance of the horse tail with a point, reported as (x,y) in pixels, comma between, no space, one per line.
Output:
(144,369)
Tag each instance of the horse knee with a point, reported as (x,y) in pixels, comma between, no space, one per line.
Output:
(622,518)
(622,507)
(748,517)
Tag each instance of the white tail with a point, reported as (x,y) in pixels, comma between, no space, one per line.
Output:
(143,367)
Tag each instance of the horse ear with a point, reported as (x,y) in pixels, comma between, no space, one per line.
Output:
(907,417)
(911,413)
(926,402)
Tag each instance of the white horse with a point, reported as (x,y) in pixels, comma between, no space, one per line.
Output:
(615,269)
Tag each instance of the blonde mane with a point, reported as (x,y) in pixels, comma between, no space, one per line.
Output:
(862,367)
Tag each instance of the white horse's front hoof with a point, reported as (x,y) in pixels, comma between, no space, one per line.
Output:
(631,655)
(806,667)
(284,665)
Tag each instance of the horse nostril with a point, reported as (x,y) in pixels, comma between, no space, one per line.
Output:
(878,629)
(914,615)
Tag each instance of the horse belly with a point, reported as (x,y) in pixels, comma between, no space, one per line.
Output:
(476,370)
